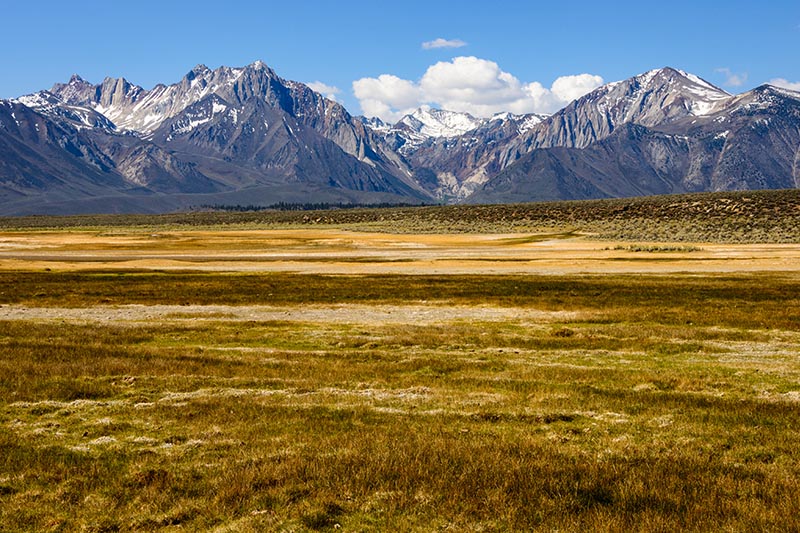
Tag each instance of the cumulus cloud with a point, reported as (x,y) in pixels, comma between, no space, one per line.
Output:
(328,91)
(732,79)
(569,88)
(387,97)
(443,43)
(786,84)
(468,84)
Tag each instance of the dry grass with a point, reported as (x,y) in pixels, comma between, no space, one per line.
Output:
(288,402)
(662,403)
(738,300)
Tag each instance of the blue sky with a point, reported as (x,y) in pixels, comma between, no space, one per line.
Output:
(514,48)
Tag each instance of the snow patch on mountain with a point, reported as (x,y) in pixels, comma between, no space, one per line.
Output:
(431,122)
(139,111)
(50,105)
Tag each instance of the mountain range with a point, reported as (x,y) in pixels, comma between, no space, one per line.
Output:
(245,136)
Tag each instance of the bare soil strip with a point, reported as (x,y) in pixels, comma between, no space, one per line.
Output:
(334,251)
(337,314)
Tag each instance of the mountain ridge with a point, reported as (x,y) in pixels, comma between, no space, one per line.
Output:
(212,132)
(244,132)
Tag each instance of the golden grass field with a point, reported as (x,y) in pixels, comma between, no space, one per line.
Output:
(324,378)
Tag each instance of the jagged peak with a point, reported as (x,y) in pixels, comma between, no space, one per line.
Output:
(108,80)
(199,71)
(260,67)
(75,85)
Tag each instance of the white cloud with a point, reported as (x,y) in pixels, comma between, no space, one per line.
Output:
(468,84)
(387,96)
(443,43)
(569,88)
(328,91)
(786,84)
(732,79)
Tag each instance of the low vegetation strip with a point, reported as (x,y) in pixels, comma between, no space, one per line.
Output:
(588,403)
(735,217)
(750,300)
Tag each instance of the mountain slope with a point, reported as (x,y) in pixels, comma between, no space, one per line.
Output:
(651,99)
(751,141)
(456,167)
(41,156)
(211,135)
(452,153)
(246,136)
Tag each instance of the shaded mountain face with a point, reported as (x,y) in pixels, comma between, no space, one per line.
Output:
(212,137)
(245,136)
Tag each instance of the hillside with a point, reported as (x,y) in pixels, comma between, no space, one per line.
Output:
(753,216)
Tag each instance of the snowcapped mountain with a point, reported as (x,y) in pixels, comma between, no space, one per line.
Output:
(132,108)
(135,110)
(662,132)
(234,135)
(246,136)
(421,126)
(441,144)
(657,97)
(653,98)
(428,122)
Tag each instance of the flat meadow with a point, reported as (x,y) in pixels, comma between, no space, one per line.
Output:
(391,370)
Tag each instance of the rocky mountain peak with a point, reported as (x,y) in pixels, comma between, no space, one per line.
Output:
(233,130)
(199,70)
(115,92)
(75,91)
(667,89)
(649,99)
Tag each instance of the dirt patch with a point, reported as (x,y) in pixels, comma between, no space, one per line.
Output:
(337,314)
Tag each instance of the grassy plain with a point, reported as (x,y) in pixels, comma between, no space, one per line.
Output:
(315,379)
